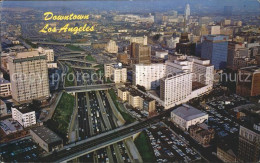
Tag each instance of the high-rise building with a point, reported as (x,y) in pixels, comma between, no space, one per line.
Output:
(215,49)
(5,87)
(248,82)
(140,53)
(235,51)
(228,10)
(148,75)
(29,76)
(176,88)
(187,11)
(249,143)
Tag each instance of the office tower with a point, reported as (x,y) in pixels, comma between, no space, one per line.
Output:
(187,11)
(249,143)
(139,40)
(176,88)
(215,49)
(248,82)
(140,53)
(228,10)
(29,76)
(115,72)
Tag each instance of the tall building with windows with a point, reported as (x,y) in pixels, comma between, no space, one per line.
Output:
(176,89)
(29,76)
(140,53)
(249,143)
(111,47)
(148,75)
(215,49)
(187,11)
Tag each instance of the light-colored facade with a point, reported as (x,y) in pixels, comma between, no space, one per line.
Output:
(29,76)
(139,40)
(162,54)
(5,87)
(24,116)
(148,75)
(123,94)
(186,116)
(3,108)
(116,73)
(111,47)
(176,89)
(48,52)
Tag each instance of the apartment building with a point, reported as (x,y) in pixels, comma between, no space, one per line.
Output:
(29,76)
(116,73)
(23,115)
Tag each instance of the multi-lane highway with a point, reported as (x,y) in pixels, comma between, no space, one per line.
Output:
(86,146)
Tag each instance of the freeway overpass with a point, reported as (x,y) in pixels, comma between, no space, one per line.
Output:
(89,145)
(77,60)
(87,88)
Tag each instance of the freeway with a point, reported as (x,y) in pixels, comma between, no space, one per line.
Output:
(86,146)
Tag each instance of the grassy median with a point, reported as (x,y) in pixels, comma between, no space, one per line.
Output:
(144,147)
(60,120)
(74,48)
(68,78)
(128,118)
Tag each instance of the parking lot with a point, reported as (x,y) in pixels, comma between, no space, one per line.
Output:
(168,146)
(24,150)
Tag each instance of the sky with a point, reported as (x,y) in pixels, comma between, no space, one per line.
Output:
(139,5)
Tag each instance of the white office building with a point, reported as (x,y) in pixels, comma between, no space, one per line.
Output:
(176,89)
(5,87)
(186,116)
(23,115)
(148,75)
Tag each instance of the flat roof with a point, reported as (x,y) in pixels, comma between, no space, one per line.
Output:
(188,112)
(46,134)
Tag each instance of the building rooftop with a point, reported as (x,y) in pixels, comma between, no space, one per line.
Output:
(24,108)
(46,134)
(188,112)
(3,81)
(251,69)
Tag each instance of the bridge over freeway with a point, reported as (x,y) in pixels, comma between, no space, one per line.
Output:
(89,145)
(77,60)
(87,88)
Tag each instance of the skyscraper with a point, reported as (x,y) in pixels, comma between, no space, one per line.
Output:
(140,53)
(187,11)
(215,48)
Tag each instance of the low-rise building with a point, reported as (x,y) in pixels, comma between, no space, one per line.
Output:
(46,138)
(5,87)
(25,116)
(185,116)
(202,134)
(123,93)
